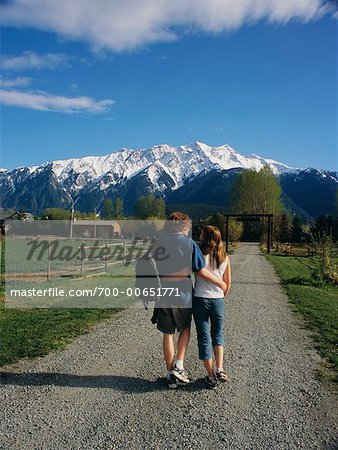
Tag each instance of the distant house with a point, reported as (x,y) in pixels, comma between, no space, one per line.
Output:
(101,229)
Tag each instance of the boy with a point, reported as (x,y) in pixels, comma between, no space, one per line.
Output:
(176,313)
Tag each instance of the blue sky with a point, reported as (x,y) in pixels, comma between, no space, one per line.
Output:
(264,88)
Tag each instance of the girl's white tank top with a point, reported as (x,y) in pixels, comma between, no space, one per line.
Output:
(207,289)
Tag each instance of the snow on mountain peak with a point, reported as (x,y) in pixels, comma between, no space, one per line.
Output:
(177,164)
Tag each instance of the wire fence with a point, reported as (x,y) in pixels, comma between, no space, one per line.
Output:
(48,257)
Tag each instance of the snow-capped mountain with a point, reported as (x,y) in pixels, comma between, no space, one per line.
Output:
(180,163)
(160,169)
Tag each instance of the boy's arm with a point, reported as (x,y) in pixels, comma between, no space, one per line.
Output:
(227,276)
(208,276)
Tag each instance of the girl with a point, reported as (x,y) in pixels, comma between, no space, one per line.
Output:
(208,305)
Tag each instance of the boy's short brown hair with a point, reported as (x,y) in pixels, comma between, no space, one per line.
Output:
(179,216)
(177,222)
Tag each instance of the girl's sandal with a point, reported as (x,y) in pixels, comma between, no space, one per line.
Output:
(222,376)
(211,382)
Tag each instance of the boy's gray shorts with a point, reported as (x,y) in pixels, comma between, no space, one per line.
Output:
(171,319)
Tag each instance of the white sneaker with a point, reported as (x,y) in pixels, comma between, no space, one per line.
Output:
(181,375)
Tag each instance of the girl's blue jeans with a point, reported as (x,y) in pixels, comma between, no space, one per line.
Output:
(209,318)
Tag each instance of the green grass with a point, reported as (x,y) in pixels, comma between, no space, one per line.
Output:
(35,332)
(30,332)
(315,301)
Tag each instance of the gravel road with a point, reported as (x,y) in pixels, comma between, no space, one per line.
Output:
(106,391)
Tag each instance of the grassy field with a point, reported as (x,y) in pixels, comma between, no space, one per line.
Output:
(65,255)
(315,301)
(35,332)
(31,332)
(33,326)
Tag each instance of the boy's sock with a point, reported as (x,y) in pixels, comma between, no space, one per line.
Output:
(168,373)
(179,364)
(219,370)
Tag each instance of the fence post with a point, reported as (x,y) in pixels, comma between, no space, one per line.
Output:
(124,251)
(82,257)
(106,258)
(48,261)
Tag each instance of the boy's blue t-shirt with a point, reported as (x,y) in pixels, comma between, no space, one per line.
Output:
(197,261)
(182,252)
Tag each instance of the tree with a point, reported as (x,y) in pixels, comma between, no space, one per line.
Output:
(141,208)
(159,207)
(327,225)
(86,215)
(256,192)
(325,248)
(107,211)
(56,214)
(236,229)
(118,209)
(296,229)
(284,228)
(218,220)
(149,206)
(65,214)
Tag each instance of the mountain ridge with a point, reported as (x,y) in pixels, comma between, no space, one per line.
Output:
(160,169)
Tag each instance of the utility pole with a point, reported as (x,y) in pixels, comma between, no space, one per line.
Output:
(72,218)
(72,213)
(95,222)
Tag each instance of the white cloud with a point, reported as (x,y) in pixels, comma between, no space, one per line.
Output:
(124,25)
(31,60)
(16,82)
(43,101)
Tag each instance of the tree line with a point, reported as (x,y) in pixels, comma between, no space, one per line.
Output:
(253,192)
(145,207)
